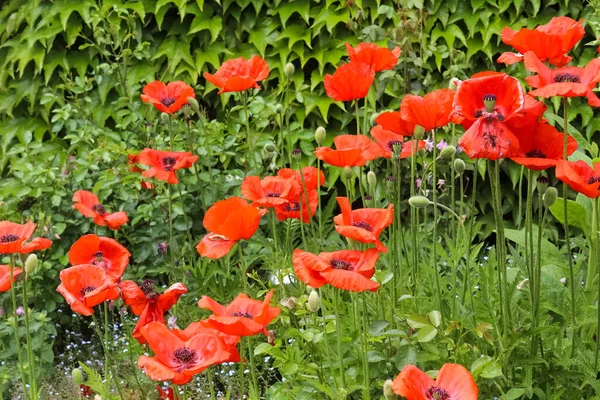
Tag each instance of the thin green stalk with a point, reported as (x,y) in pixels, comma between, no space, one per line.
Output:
(243,268)
(253,368)
(30,354)
(210,158)
(187,231)
(529,261)
(327,351)
(211,386)
(339,336)
(192,145)
(365,324)
(241,372)
(171,227)
(13,295)
(538,268)
(413,219)
(249,137)
(438,286)
(319,203)
(519,212)
(595,233)
(357,117)
(131,356)
(467,284)
(274,231)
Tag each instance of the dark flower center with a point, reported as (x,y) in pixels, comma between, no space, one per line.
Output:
(147,287)
(99,255)
(9,238)
(391,179)
(363,224)
(167,101)
(436,393)
(491,139)
(489,97)
(367,197)
(392,143)
(535,154)
(273,194)
(99,208)
(242,314)
(184,356)
(292,206)
(336,263)
(87,289)
(570,78)
(593,179)
(169,163)
(296,152)
(543,179)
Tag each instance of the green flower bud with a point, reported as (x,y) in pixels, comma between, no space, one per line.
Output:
(371,179)
(165,117)
(397,148)
(373,118)
(193,104)
(30,264)
(459,166)
(447,152)
(278,108)
(419,201)
(388,390)
(347,173)
(314,301)
(289,69)
(77,376)
(320,135)
(270,147)
(390,184)
(489,101)
(550,196)
(542,184)
(297,154)
(419,132)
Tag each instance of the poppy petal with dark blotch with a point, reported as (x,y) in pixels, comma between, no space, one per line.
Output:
(84,201)
(102,251)
(349,82)
(85,286)
(412,383)
(308,268)
(491,140)
(369,149)
(170,296)
(36,244)
(167,98)
(239,74)
(580,177)
(541,146)
(457,381)
(133,296)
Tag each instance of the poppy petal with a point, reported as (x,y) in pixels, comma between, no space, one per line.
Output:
(457,381)
(412,383)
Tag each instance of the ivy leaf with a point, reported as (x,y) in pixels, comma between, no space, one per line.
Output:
(65,8)
(206,20)
(301,7)
(320,101)
(211,55)
(179,3)
(264,34)
(175,49)
(451,33)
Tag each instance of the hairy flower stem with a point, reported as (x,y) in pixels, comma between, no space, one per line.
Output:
(104,342)
(595,238)
(537,273)
(468,266)
(170,205)
(339,336)
(438,286)
(413,220)
(131,355)
(327,351)
(529,259)
(241,366)
(255,387)
(13,295)
(249,137)
(30,354)
(365,324)
(187,231)
(319,204)
(211,387)
(357,116)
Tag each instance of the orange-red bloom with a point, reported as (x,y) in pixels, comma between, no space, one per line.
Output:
(239,74)
(346,269)
(178,360)
(85,286)
(242,317)
(102,251)
(548,42)
(363,224)
(228,221)
(167,98)
(13,237)
(580,177)
(379,58)
(271,191)
(351,151)
(292,208)
(88,204)
(453,382)
(166,395)
(541,146)
(312,176)
(163,164)
(349,82)
(488,103)
(392,121)
(564,82)
(148,304)
(431,111)
(196,327)
(388,139)
(5,277)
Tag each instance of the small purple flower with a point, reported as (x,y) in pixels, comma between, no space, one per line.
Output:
(20,311)
(163,247)
(72,158)
(429,144)
(440,183)
(418,182)
(123,311)
(172,322)
(441,145)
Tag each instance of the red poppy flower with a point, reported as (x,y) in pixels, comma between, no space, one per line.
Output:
(431,111)
(489,136)
(364,224)
(242,317)
(346,269)
(292,208)
(228,221)
(580,177)
(85,286)
(541,146)
(102,251)
(5,277)
(88,204)
(177,360)
(195,328)
(564,82)
(169,394)
(349,82)
(148,304)
(271,191)
(388,139)
(453,382)
(311,175)
(392,121)
(379,58)
(351,151)
(239,74)
(163,164)
(133,160)
(548,42)
(13,237)
(167,98)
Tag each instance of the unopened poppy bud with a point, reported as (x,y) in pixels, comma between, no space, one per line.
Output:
(320,135)
(419,132)
(373,118)
(489,101)
(419,201)
(459,166)
(314,301)
(271,336)
(397,148)
(297,154)
(347,173)
(448,152)
(77,376)
(165,117)
(291,303)
(388,390)
(270,147)
(550,196)
(371,179)
(278,108)
(542,184)
(390,183)
(193,103)
(30,264)
(289,69)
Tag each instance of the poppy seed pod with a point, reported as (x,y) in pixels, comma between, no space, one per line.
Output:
(297,154)
(270,147)
(278,108)
(459,166)
(550,196)
(388,390)
(397,148)
(77,376)
(390,183)
(193,104)
(489,101)
(347,173)
(165,117)
(419,201)
(31,263)
(419,132)
(289,69)
(314,301)
(447,152)
(542,184)
(371,179)
(320,135)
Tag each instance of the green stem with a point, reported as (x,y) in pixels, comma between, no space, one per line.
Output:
(253,369)
(249,136)
(192,145)
(467,284)
(365,324)
(595,238)
(13,295)
(357,117)
(327,351)
(529,239)
(241,367)
(131,356)
(274,230)
(319,203)
(171,227)
(413,218)
(187,231)
(438,286)
(211,385)
(30,355)
(339,336)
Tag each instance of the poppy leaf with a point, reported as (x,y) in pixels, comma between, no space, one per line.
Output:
(427,334)
(576,213)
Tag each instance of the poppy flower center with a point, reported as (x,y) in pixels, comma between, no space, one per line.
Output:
(167,101)
(436,393)
(362,224)
(535,154)
(87,290)
(568,78)
(147,287)
(292,206)
(491,139)
(245,314)
(273,194)
(489,97)
(184,356)
(593,179)
(99,208)
(9,238)
(392,143)
(340,264)
(169,163)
